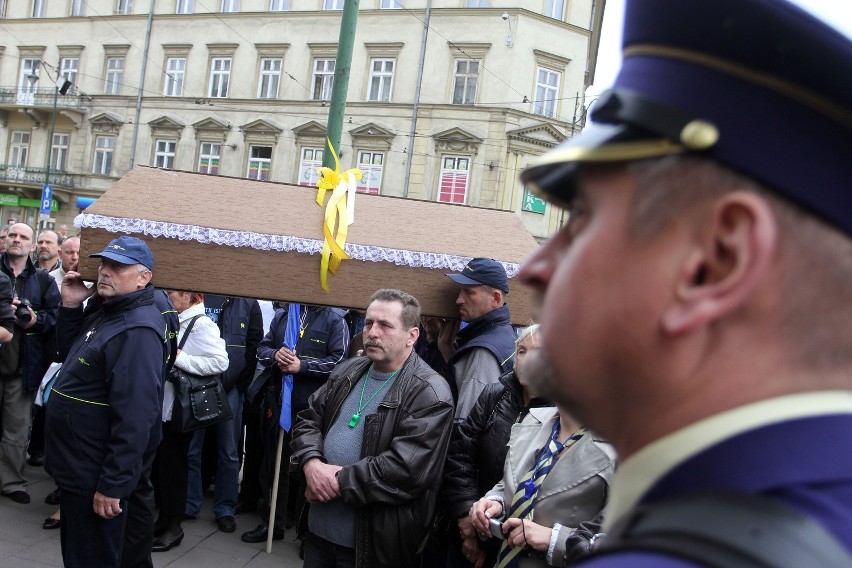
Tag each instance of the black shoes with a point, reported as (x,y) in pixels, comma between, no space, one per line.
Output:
(36,460)
(21,497)
(226,524)
(167,542)
(260,533)
(50,523)
(53,497)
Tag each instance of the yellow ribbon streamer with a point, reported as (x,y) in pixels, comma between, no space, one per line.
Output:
(339,214)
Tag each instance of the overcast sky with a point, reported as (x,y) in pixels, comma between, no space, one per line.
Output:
(836,12)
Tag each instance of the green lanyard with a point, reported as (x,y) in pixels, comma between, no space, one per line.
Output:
(357,416)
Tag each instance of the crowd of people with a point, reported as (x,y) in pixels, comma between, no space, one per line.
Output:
(694,322)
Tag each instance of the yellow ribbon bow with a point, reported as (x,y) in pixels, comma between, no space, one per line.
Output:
(339,214)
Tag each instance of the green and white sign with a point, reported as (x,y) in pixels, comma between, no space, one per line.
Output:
(532,203)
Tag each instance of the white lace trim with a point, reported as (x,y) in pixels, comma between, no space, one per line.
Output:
(280,243)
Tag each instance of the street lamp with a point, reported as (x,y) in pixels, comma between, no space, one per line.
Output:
(60,88)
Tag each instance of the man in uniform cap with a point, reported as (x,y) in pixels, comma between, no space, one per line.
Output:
(104,411)
(696,309)
(485,348)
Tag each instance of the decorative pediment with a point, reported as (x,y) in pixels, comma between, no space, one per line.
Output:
(106,122)
(312,128)
(457,140)
(211,128)
(542,134)
(166,126)
(372,136)
(260,130)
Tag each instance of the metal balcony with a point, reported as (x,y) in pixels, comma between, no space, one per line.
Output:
(34,177)
(32,97)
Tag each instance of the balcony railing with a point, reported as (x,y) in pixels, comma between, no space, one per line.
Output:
(34,176)
(31,97)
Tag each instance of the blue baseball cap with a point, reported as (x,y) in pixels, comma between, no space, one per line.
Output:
(760,86)
(481,271)
(128,250)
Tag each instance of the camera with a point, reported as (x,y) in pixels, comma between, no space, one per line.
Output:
(22,314)
(496,529)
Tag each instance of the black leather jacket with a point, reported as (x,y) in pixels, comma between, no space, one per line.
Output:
(479,444)
(394,485)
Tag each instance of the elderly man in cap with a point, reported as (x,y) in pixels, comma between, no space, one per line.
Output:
(696,309)
(105,402)
(484,349)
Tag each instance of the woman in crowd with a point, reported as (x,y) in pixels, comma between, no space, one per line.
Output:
(556,476)
(203,353)
(477,453)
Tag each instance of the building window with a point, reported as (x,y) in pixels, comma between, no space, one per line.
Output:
(230,5)
(183,7)
(454,174)
(370,164)
(390,4)
(475,3)
(104,148)
(260,160)
(279,5)
(175,70)
(208,158)
(323,79)
(124,7)
(68,67)
(59,152)
(546,92)
(465,82)
(114,75)
(78,8)
(38,8)
(2,8)
(164,153)
(220,75)
(381,80)
(309,163)
(18,148)
(270,77)
(555,9)
(332,5)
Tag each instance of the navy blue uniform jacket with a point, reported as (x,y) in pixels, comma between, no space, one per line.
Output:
(106,398)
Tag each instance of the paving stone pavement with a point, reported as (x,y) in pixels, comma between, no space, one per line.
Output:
(24,544)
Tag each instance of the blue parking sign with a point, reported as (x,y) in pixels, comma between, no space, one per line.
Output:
(46,199)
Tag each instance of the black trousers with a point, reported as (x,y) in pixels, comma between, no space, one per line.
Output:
(139,529)
(88,540)
(171,468)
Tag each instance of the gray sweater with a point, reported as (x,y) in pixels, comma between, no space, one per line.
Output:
(335,521)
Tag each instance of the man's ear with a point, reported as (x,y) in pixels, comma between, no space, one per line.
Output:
(496,298)
(413,335)
(144,277)
(732,252)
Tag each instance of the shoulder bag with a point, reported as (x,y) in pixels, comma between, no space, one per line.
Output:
(200,401)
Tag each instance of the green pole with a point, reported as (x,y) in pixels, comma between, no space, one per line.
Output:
(342,70)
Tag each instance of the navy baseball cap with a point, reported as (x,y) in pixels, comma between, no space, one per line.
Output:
(758,85)
(481,271)
(128,250)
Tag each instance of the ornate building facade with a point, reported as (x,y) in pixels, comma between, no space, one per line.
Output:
(447,99)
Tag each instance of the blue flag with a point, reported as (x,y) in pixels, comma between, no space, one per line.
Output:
(291,337)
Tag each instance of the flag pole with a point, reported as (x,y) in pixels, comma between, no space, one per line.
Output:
(274,501)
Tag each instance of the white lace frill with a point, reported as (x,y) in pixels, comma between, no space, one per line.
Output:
(280,243)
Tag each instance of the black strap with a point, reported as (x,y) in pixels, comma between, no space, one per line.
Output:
(188,329)
(728,530)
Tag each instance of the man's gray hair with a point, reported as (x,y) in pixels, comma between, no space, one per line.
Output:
(410,305)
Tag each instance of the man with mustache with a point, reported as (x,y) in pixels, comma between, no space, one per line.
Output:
(103,416)
(696,309)
(371,445)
